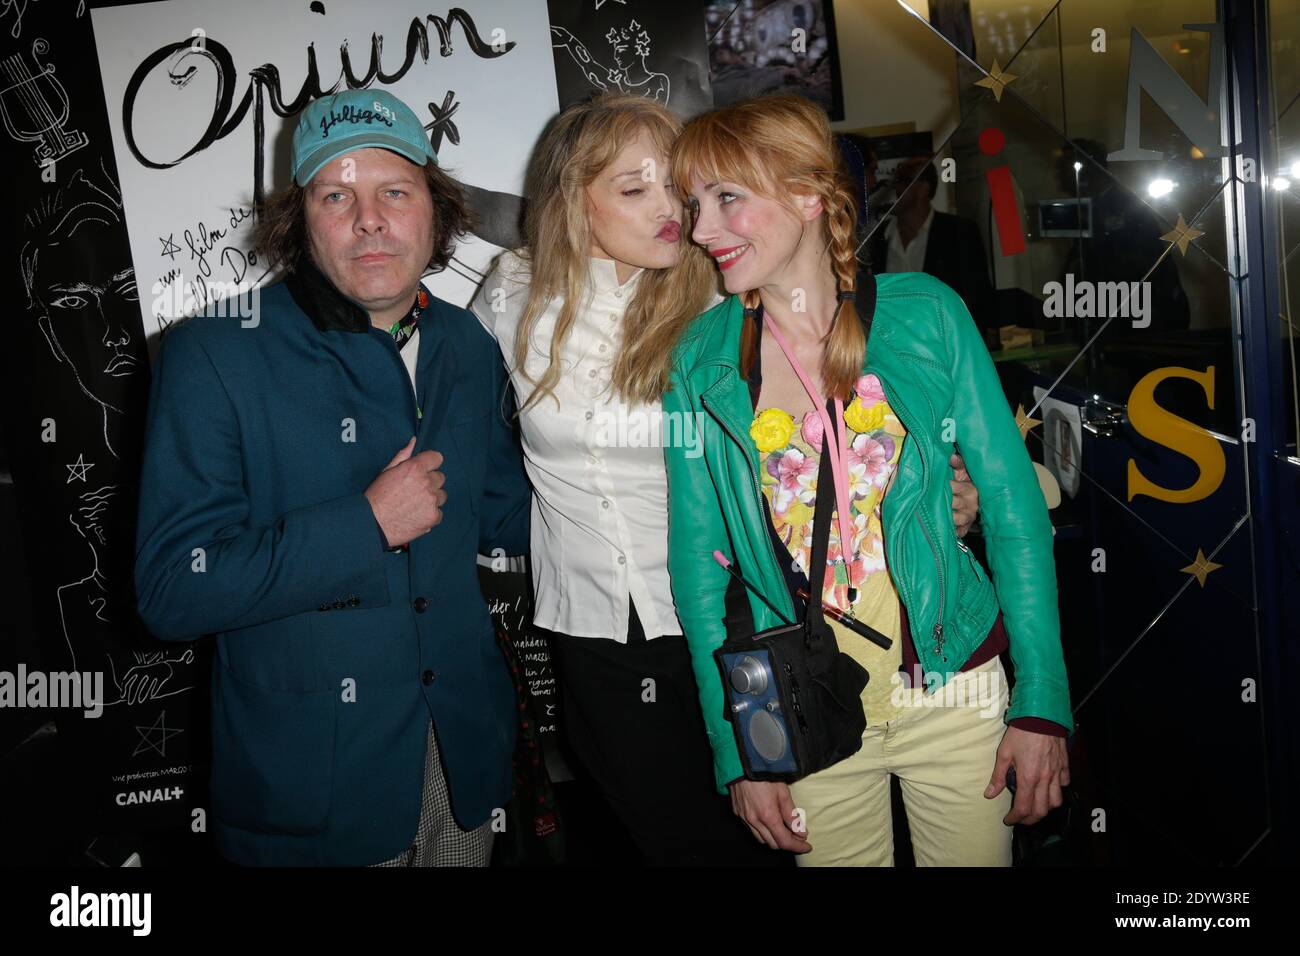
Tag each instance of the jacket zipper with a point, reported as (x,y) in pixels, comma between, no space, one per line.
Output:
(938,625)
(905,416)
(758,495)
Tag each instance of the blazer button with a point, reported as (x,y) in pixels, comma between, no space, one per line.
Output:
(353,600)
(420,604)
(323,607)
(427,678)
(339,604)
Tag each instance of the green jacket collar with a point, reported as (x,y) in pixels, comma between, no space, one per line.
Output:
(714,340)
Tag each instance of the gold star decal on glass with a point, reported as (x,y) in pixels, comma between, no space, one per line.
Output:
(997,80)
(1182,234)
(1024,422)
(1201,567)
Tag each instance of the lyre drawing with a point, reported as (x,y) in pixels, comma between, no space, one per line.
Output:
(34,106)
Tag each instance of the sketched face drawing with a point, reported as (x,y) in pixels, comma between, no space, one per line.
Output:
(76,266)
(629,44)
(621,57)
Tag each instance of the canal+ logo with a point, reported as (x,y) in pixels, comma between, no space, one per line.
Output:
(129,798)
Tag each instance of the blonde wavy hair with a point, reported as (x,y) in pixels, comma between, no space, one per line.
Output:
(578,145)
(779,146)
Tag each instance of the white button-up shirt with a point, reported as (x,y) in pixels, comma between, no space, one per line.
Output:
(911,259)
(409,353)
(600,490)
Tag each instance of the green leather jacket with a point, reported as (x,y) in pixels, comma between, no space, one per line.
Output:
(941,383)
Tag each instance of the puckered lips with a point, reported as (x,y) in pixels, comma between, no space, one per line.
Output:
(671,231)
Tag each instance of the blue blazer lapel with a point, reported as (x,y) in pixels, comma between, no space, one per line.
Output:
(435,376)
(432,375)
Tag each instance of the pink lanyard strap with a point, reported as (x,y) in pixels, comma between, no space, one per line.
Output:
(832,443)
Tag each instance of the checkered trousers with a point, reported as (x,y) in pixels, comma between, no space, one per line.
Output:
(439,841)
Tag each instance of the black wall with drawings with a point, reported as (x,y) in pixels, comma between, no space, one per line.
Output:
(75,384)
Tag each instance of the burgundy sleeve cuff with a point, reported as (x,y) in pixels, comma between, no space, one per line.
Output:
(1039,725)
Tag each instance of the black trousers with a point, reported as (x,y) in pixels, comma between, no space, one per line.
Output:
(631,716)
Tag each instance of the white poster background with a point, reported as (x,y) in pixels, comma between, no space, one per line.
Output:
(189,224)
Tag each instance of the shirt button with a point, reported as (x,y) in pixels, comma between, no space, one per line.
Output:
(605,503)
(591,374)
(427,678)
(622,559)
(588,416)
(420,604)
(603,346)
(618,293)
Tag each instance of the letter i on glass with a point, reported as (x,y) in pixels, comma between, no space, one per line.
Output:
(1002,194)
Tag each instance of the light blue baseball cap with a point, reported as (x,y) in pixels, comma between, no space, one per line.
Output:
(355,119)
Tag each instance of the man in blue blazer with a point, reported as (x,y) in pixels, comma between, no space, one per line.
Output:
(318,480)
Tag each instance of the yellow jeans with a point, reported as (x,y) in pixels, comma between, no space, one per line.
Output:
(943,757)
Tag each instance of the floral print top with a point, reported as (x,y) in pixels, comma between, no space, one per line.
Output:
(789,455)
(790,459)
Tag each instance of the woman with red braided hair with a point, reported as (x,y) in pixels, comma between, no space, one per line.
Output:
(811,355)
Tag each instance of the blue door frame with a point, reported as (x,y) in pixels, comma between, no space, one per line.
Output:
(1274,480)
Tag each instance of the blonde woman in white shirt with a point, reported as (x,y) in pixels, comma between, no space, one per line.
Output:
(586,315)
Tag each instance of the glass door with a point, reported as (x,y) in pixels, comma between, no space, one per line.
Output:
(1101,152)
